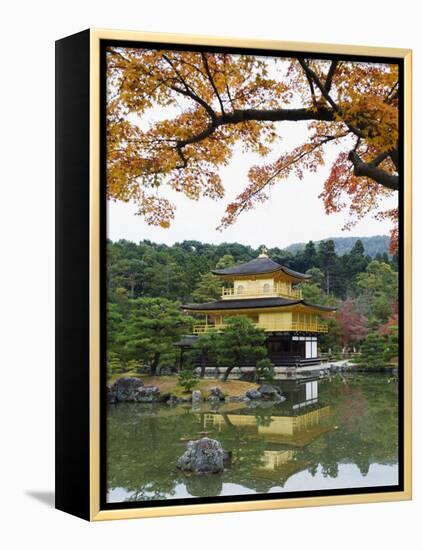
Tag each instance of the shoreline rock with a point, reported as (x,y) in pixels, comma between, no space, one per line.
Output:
(173,400)
(270,393)
(253,394)
(265,392)
(216,394)
(132,390)
(196,396)
(125,389)
(148,394)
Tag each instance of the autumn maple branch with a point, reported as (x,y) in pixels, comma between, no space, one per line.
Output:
(267,182)
(324,108)
(310,74)
(371,170)
(210,78)
(243,115)
(330,74)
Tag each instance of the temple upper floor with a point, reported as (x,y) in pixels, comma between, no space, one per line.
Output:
(261,277)
(260,287)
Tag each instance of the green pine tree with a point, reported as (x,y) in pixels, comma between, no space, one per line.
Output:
(239,343)
(151,329)
(372,352)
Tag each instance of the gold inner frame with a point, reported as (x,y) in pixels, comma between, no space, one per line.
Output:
(96,513)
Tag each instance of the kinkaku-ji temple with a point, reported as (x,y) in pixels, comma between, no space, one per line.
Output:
(269,294)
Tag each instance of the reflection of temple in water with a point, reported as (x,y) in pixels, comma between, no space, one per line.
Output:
(285,429)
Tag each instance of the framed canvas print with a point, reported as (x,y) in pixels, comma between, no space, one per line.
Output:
(233,274)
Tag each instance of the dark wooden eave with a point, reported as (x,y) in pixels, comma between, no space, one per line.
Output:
(252,303)
(259,266)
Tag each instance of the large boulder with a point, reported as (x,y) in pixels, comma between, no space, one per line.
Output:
(265,392)
(203,456)
(253,393)
(132,389)
(148,394)
(269,393)
(216,394)
(125,389)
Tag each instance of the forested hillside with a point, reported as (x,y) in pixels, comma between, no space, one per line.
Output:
(174,272)
(378,244)
(146,283)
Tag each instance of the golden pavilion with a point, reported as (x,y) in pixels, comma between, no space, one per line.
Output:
(269,294)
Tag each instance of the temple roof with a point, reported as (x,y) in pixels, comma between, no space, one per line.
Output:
(259,266)
(252,303)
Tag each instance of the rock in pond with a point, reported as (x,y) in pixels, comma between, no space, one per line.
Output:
(203,456)
(196,396)
(216,394)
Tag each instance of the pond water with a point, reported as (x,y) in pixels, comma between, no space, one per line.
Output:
(328,434)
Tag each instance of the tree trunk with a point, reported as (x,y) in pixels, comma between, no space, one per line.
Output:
(155,362)
(228,371)
(203,365)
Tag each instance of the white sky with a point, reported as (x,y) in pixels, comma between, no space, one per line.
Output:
(294,213)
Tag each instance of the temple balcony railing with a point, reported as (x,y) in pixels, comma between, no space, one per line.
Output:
(283,291)
(268,327)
